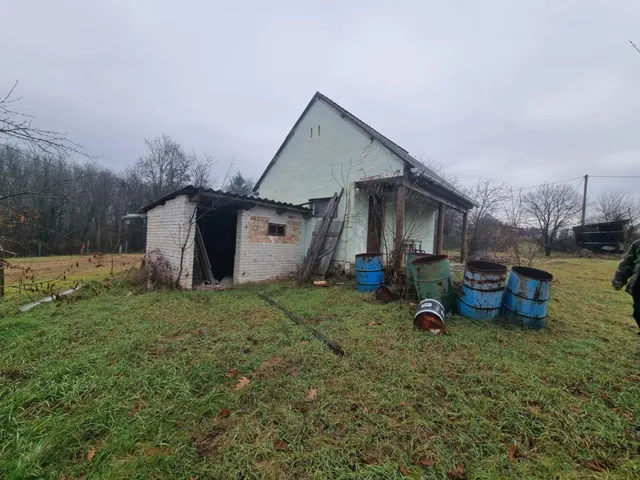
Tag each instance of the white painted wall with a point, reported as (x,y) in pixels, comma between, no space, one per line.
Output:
(320,165)
(261,257)
(169,228)
(420,221)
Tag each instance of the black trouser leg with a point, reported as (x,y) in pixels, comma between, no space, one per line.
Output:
(636,305)
(636,310)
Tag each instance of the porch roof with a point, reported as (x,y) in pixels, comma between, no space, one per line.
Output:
(421,185)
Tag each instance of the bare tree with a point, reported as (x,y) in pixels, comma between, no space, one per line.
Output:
(165,167)
(612,205)
(552,207)
(201,170)
(17,127)
(514,235)
(489,197)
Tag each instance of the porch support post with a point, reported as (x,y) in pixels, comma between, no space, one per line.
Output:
(440,236)
(401,195)
(465,227)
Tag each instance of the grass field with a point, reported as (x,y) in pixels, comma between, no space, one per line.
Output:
(25,275)
(206,384)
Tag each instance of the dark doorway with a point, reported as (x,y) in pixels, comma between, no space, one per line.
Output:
(374,228)
(219,236)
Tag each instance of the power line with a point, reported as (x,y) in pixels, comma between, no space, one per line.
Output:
(553,183)
(614,176)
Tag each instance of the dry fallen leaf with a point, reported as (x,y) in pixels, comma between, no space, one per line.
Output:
(596,466)
(312,394)
(403,470)
(232,373)
(413,304)
(369,460)
(281,446)
(426,462)
(242,382)
(458,473)
(512,453)
(91,454)
(224,413)
(365,410)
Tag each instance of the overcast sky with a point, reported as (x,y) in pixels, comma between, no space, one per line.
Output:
(519,91)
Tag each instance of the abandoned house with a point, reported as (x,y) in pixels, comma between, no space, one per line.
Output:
(391,204)
(207,235)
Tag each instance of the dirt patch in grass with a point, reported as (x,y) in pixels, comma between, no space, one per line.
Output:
(14,375)
(275,367)
(210,443)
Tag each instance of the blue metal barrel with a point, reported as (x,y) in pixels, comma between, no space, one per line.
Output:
(482,290)
(527,296)
(369,271)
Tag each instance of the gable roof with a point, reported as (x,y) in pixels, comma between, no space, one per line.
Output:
(417,167)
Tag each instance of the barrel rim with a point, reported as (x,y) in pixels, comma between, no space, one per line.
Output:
(533,273)
(429,258)
(484,266)
(368,254)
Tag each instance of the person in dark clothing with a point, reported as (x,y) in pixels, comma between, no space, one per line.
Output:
(627,273)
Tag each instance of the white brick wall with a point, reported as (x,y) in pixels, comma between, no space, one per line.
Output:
(168,230)
(262,260)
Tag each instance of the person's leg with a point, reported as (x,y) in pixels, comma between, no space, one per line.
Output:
(636,304)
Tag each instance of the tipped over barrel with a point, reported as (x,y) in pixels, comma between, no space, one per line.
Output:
(482,290)
(430,316)
(432,278)
(527,297)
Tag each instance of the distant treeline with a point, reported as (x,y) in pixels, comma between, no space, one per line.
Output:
(52,205)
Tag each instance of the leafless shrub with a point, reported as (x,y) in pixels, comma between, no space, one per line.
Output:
(157,271)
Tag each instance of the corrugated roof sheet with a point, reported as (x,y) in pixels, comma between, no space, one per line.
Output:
(192,191)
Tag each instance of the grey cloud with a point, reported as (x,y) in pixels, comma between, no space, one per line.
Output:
(523,92)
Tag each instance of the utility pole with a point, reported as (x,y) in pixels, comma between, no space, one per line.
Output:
(584,199)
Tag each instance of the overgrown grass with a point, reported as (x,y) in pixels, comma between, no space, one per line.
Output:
(147,382)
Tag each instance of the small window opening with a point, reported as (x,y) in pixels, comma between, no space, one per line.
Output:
(318,130)
(311,132)
(276,230)
(319,206)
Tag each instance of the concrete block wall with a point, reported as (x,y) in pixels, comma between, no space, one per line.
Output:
(170,227)
(260,256)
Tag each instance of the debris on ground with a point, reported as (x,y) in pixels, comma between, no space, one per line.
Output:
(337,349)
(56,296)
(386,293)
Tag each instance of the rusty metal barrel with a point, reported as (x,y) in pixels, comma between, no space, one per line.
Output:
(527,296)
(432,277)
(369,271)
(411,269)
(482,290)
